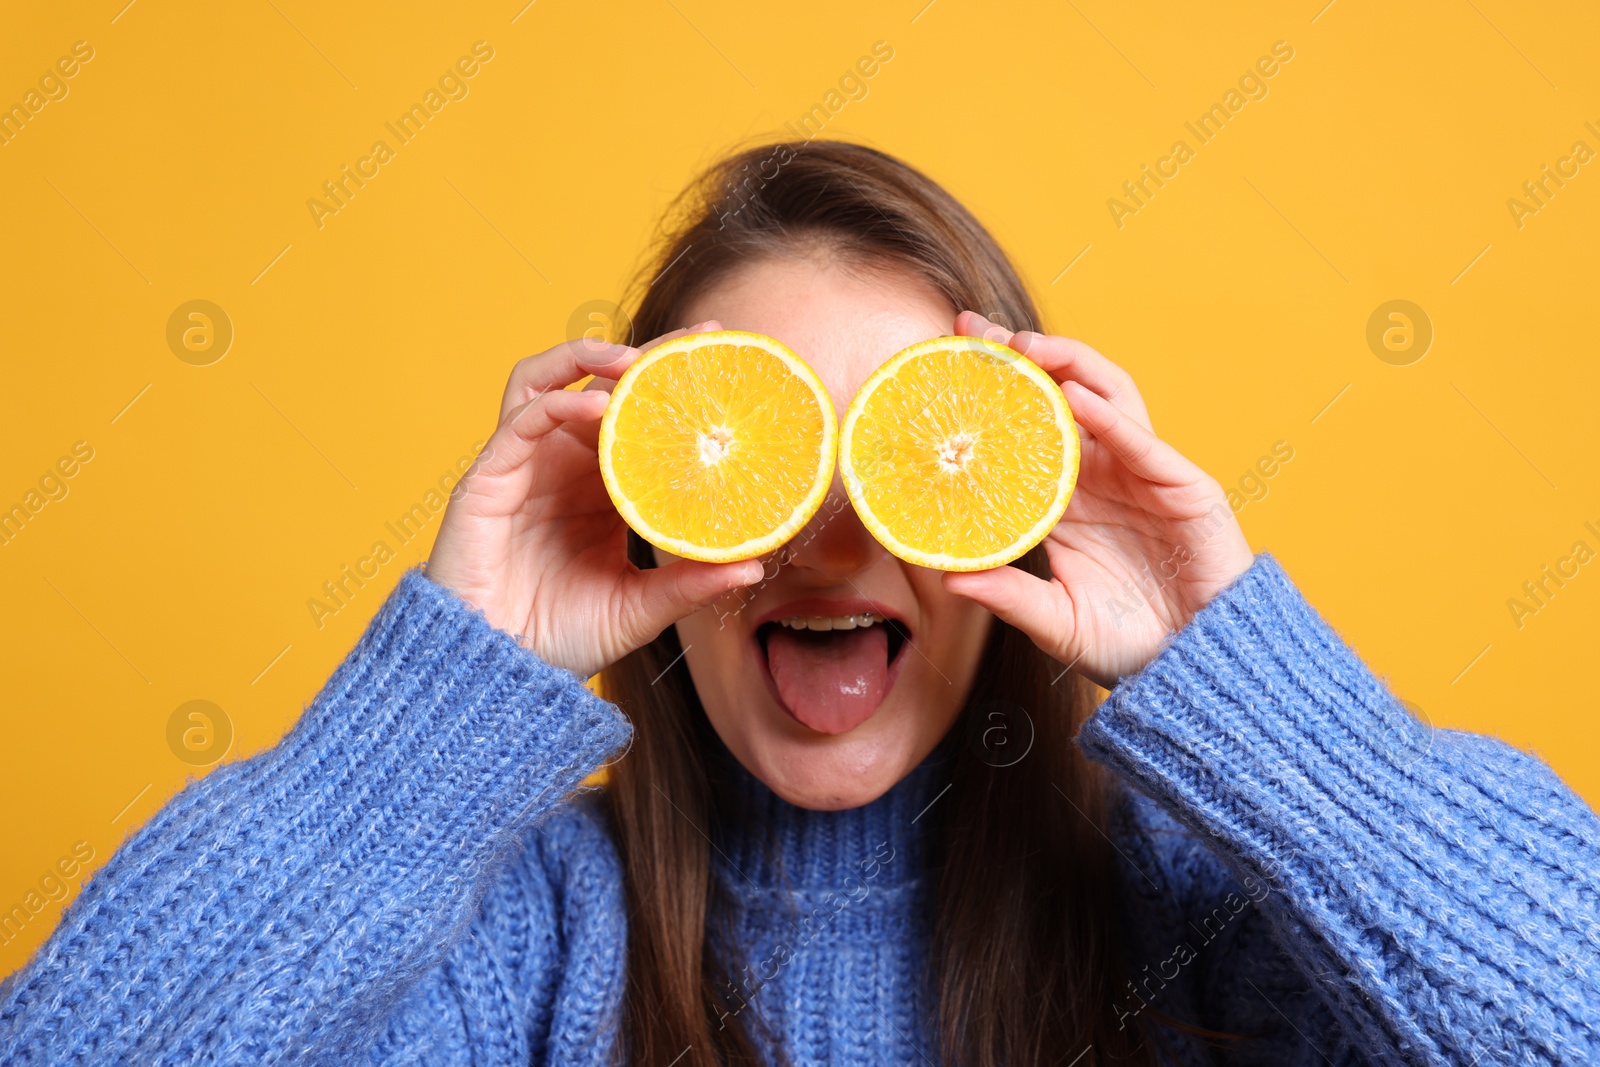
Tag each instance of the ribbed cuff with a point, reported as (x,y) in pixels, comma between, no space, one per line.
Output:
(293,895)
(439,728)
(1437,885)
(1258,725)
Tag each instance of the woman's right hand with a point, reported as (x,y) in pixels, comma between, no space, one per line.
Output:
(531,538)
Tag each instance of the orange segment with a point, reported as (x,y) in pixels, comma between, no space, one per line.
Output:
(718,446)
(959,454)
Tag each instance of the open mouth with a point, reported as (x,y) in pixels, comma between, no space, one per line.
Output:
(831,672)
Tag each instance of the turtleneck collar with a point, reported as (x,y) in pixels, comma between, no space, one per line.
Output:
(768,843)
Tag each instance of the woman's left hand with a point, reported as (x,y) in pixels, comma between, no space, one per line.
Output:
(1147,540)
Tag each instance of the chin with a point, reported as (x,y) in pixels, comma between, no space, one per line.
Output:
(832,774)
(830,701)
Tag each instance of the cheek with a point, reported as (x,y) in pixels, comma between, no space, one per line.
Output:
(719,664)
(961,639)
(943,612)
(954,632)
(717,657)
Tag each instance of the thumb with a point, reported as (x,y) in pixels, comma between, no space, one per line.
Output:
(1036,607)
(668,593)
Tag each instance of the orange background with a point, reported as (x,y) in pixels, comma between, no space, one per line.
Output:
(368,353)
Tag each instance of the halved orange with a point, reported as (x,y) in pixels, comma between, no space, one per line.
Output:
(959,454)
(718,446)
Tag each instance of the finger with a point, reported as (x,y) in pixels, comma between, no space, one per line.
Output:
(673,335)
(660,596)
(972,324)
(570,361)
(1032,605)
(605,378)
(558,368)
(517,437)
(1063,358)
(1140,450)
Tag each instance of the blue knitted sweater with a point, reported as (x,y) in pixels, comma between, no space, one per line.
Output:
(412,876)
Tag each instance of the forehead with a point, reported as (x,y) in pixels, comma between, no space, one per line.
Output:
(842,319)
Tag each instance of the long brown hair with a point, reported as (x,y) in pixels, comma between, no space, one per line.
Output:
(1028,952)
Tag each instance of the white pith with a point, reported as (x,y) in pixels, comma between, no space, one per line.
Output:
(714,447)
(952,457)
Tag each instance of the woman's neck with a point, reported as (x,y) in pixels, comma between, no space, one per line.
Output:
(764,842)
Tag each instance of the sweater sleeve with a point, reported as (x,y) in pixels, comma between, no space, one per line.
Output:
(1439,891)
(283,906)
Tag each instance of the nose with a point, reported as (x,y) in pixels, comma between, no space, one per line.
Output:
(834,545)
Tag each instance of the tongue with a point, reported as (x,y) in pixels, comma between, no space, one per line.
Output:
(832,684)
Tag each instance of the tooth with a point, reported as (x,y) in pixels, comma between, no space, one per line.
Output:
(845,622)
(816,622)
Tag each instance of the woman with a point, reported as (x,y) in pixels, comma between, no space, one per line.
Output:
(1270,861)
